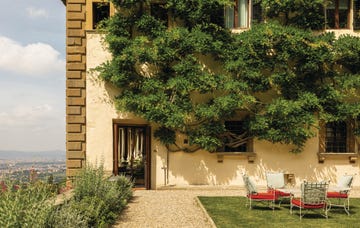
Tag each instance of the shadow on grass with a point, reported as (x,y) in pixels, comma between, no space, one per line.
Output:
(233,212)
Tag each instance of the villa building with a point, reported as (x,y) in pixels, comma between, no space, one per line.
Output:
(97,133)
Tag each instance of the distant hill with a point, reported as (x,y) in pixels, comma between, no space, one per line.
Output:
(32,155)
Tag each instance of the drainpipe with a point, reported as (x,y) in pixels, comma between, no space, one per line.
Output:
(166,169)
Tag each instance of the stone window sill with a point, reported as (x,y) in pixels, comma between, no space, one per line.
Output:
(352,157)
(250,156)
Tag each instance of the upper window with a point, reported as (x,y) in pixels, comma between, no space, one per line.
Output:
(242,14)
(101,11)
(336,137)
(338,14)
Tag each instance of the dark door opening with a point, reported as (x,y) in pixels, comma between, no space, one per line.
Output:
(132,153)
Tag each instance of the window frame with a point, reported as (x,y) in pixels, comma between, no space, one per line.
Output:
(96,14)
(350,152)
(337,18)
(89,25)
(248,154)
(235,127)
(235,24)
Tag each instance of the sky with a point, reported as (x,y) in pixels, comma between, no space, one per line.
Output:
(32,75)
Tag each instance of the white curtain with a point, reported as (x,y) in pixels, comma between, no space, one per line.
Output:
(243,9)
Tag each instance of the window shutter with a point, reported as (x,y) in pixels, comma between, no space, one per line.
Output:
(351,137)
(322,135)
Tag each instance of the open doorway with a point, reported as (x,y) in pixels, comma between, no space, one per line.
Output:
(132,153)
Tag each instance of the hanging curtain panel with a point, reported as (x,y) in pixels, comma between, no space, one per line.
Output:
(243,15)
(229,17)
(237,16)
(121,146)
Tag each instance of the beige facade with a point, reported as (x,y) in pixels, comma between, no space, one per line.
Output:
(201,167)
(92,122)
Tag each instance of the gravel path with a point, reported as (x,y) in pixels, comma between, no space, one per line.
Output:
(168,208)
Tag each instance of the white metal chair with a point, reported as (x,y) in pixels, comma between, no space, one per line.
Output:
(253,195)
(276,182)
(340,193)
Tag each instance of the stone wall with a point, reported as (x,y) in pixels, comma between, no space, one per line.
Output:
(75,85)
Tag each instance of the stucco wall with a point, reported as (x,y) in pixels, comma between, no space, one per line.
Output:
(201,167)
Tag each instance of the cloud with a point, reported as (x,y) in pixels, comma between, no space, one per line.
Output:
(37,12)
(26,116)
(37,59)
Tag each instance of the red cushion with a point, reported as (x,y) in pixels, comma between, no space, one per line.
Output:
(337,195)
(297,202)
(279,193)
(262,196)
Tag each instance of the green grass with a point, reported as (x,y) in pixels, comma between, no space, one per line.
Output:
(232,212)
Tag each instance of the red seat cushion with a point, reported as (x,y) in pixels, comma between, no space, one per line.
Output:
(337,195)
(297,202)
(279,193)
(262,196)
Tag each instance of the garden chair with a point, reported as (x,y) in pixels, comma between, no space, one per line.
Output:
(313,197)
(340,193)
(276,182)
(253,195)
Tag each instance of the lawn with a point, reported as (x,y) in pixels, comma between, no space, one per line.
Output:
(232,212)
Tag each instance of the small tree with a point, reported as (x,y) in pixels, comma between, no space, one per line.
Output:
(191,76)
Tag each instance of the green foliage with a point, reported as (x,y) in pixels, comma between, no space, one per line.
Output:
(28,206)
(67,215)
(96,202)
(300,13)
(194,75)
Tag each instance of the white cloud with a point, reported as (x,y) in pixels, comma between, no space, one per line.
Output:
(37,59)
(26,116)
(37,12)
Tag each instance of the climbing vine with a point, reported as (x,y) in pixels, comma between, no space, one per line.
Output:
(187,73)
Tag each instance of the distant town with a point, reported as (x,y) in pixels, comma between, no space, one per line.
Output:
(31,166)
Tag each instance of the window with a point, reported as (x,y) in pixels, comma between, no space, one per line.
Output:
(237,16)
(356,14)
(336,135)
(235,139)
(242,14)
(337,141)
(101,11)
(338,14)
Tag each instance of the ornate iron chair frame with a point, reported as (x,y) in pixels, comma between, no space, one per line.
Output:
(313,196)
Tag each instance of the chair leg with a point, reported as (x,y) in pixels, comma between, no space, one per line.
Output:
(326,212)
(347,207)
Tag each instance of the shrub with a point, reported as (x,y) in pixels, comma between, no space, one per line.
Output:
(28,205)
(96,202)
(67,216)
